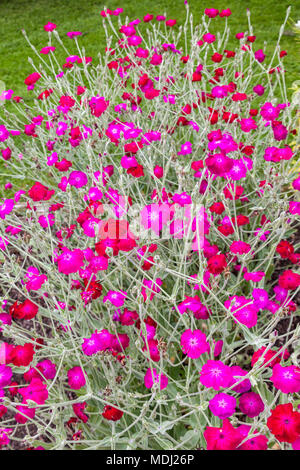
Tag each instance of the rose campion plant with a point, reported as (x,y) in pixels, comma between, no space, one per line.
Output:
(149,263)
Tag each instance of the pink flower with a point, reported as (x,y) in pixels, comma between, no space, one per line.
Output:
(259,55)
(240,247)
(280,132)
(49,26)
(152,377)
(222,405)
(218,346)
(294,207)
(259,90)
(99,341)
(35,391)
(70,261)
(4,439)
(238,170)
(211,12)
(6,208)
(77,179)
(116,298)
(5,375)
(155,216)
(25,413)
(46,221)
(76,378)
(209,38)
(225,438)
(47,368)
(269,112)
(73,34)
(248,124)
(257,442)
(254,276)
(215,374)
(186,149)
(261,298)
(193,343)
(286,379)
(219,164)
(220,91)
(34,279)
(241,386)
(4,134)
(251,404)
(247,315)
(150,286)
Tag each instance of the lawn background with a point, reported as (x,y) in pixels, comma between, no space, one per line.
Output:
(84,16)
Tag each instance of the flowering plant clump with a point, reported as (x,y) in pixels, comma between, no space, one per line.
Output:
(149,271)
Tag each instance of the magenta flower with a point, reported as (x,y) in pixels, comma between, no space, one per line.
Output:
(70,261)
(50,26)
(152,377)
(193,343)
(269,112)
(77,179)
(35,391)
(247,315)
(209,38)
(215,374)
(4,133)
(259,55)
(47,368)
(186,149)
(251,404)
(76,378)
(99,341)
(220,91)
(6,208)
(25,413)
(240,247)
(4,436)
(241,386)
(34,279)
(222,405)
(261,298)
(257,442)
(286,379)
(5,375)
(248,124)
(73,34)
(116,298)
(280,132)
(238,170)
(225,438)
(259,90)
(254,276)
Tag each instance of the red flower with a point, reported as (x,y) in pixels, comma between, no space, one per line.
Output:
(217,57)
(39,192)
(289,280)
(285,249)
(23,355)
(24,311)
(217,208)
(284,423)
(112,414)
(225,438)
(216,264)
(32,78)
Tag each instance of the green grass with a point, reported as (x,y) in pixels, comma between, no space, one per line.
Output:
(84,15)
(267,16)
